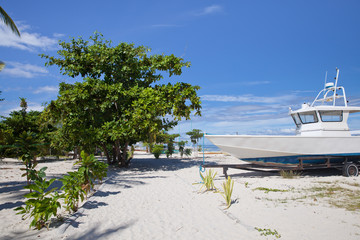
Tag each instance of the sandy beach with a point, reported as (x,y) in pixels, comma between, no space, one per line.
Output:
(159,199)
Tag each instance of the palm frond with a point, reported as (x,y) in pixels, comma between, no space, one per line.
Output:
(8,21)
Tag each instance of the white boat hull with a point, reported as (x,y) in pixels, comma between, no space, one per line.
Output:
(257,147)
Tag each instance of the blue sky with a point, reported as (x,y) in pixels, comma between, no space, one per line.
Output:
(252,59)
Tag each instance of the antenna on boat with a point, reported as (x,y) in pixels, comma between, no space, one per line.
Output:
(336,80)
(325,83)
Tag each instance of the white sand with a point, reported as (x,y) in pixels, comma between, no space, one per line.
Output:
(156,199)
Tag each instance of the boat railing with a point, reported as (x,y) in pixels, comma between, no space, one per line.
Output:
(330,100)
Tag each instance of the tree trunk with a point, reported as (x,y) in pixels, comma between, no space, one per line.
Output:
(106,153)
(124,159)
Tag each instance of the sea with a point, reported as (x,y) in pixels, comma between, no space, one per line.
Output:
(210,148)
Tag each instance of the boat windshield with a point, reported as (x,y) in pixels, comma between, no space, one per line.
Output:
(331,116)
(308,117)
(296,120)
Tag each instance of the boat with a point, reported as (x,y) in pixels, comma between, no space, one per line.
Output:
(322,132)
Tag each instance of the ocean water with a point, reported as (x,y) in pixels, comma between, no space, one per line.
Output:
(210,148)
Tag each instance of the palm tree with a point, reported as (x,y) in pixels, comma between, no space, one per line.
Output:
(8,21)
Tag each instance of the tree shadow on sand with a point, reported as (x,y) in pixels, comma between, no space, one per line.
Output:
(164,164)
(95,233)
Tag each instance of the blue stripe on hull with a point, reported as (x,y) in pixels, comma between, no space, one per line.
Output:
(295,159)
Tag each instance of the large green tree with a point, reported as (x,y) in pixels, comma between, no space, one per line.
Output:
(120,101)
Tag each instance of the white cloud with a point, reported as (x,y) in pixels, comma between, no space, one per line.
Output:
(210,10)
(24,70)
(47,89)
(248,98)
(28,41)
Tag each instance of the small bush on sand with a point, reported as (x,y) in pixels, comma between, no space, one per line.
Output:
(157,150)
(41,204)
(228,187)
(73,190)
(208,180)
(289,174)
(188,152)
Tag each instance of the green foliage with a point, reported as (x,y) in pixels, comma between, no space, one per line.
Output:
(91,169)
(181,145)
(195,135)
(268,232)
(119,101)
(208,180)
(41,204)
(13,127)
(73,190)
(188,152)
(290,174)
(157,150)
(267,190)
(227,186)
(33,174)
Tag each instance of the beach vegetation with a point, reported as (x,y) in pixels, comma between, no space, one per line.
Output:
(157,150)
(195,136)
(267,190)
(208,180)
(337,196)
(91,170)
(41,204)
(188,152)
(168,140)
(268,232)
(23,130)
(119,101)
(227,187)
(73,190)
(290,174)
(181,145)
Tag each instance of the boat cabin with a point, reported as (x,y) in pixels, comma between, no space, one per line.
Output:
(327,115)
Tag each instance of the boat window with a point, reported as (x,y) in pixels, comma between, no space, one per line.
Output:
(296,119)
(331,116)
(308,117)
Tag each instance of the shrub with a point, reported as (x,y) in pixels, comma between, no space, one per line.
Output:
(41,204)
(73,190)
(157,150)
(289,174)
(91,169)
(188,152)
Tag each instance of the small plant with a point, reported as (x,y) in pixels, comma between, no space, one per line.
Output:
(73,190)
(227,186)
(267,190)
(208,180)
(267,232)
(246,184)
(41,204)
(157,150)
(91,169)
(188,152)
(289,174)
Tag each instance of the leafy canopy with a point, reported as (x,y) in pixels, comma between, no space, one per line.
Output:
(119,100)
